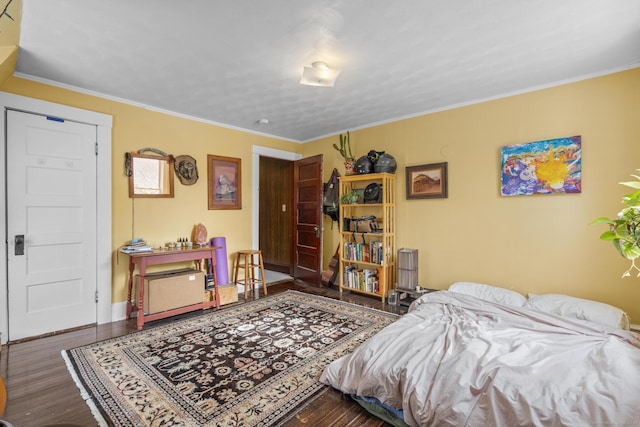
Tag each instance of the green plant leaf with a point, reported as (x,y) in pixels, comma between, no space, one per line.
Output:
(601,220)
(631,251)
(624,229)
(608,235)
(632,199)
(349,198)
(632,184)
(616,244)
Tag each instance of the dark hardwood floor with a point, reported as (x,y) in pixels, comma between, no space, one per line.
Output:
(41,392)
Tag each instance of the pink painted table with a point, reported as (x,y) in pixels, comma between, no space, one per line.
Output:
(168,256)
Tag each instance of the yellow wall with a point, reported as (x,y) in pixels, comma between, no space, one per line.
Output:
(539,244)
(8,58)
(10,28)
(9,38)
(529,244)
(163,220)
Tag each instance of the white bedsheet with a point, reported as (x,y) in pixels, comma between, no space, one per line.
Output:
(455,360)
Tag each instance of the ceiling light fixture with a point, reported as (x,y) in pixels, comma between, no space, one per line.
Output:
(319,74)
(263,121)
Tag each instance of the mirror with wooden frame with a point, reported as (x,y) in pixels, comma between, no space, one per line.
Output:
(150,176)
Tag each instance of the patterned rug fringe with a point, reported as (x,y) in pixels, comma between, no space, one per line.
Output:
(84,393)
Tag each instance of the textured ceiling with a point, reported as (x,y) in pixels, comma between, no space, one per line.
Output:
(235,62)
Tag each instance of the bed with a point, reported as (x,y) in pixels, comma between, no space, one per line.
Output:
(476,355)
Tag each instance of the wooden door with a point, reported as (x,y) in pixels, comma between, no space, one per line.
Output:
(308,219)
(51,224)
(276,213)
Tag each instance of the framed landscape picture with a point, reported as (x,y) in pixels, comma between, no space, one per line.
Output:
(427,181)
(224,182)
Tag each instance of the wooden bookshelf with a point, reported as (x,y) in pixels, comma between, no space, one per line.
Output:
(367,256)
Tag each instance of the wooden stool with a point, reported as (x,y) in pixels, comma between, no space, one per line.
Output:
(250,260)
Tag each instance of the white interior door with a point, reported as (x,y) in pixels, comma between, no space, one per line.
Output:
(51,202)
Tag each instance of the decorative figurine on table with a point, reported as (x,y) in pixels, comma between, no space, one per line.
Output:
(201,235)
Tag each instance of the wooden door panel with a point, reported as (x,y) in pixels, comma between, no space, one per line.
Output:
(307,195)
(307,238)
(307,261)
(308,171)
(308,219)
(307,215)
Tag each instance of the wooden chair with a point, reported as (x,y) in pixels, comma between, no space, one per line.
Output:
(250,260)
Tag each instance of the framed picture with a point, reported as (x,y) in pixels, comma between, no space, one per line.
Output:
(427,181)
(224,182)
(542,167)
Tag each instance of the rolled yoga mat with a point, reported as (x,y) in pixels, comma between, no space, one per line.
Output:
(222,267)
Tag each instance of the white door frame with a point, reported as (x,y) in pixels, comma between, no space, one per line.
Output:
(103,122)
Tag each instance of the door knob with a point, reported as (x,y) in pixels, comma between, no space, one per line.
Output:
(19,247)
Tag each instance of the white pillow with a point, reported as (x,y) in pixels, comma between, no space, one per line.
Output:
(489,293)
(578,308)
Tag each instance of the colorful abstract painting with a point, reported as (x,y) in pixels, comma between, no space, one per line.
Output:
(542,167)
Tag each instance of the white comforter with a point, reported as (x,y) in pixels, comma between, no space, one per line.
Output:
(455,360)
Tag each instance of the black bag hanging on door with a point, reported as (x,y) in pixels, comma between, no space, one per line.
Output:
(330,199)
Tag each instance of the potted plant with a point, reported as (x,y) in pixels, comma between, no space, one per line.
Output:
(624,230)
(345,152)
(350,198)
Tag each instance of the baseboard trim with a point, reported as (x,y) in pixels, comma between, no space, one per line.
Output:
(118,311)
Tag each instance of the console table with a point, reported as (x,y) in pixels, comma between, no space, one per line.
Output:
(168,256)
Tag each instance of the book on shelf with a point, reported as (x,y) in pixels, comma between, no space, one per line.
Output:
(371,252)
(370,279)
(376,252)
(364,280)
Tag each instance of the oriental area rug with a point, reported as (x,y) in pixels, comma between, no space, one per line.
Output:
(251,364)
